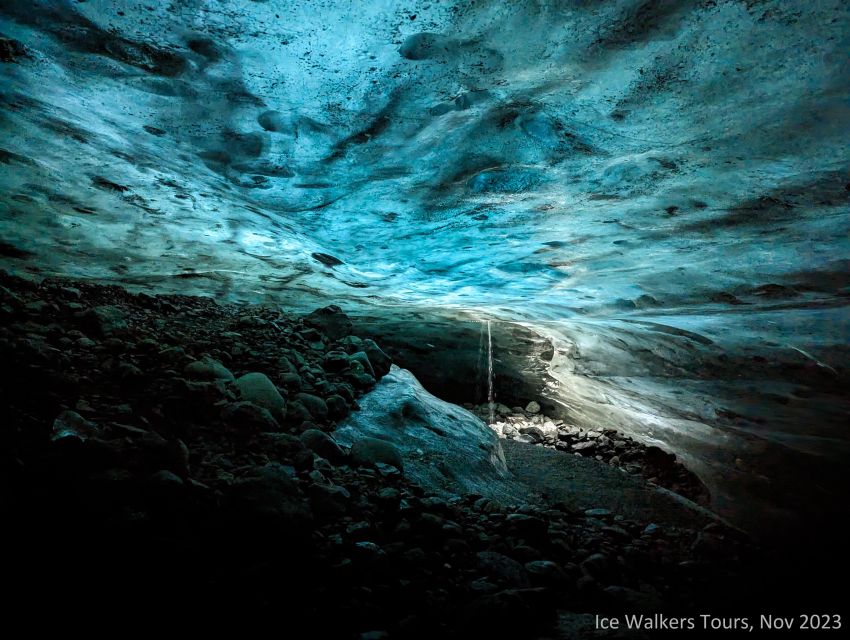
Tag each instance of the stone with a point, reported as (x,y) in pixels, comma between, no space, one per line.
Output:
(163,477)
(482,585)
(532,407)
(362,380)
(617,532)
(104,321)
(285,365)
(659,458)
(317,407)
(328,502)
(292,381)
(380,361)
(366,550)
(129,373)
(337,407)
(501,409)
(535,434)
(363,359)
(323,445)
(287,448)
(247,416)
(70,426)
(207,370)
(527,526)
(597,565)
(269,503)
(501,568)
(345,390)
(546,573)
(335,361)
(164,490)
(390,497)
(296,413)
(160,453)
(351,344)
(331,321)
(257,388)
(172,355)
(369,451)
(586,447)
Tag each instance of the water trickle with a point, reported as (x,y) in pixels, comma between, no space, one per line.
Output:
(479,367)
(491,396)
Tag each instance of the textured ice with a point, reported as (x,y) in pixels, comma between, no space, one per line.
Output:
(609,173)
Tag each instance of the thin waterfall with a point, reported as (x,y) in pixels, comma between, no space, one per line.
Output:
(479,367)
(491,396)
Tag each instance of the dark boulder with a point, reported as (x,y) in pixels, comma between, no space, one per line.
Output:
(104,321)
(317,407)
(337,407)
(248,417)
(331,321)
(323,445)
(380,361)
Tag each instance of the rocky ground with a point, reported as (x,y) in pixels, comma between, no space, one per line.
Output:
(172,458)
(603,444)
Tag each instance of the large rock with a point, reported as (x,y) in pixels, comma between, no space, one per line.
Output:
(337,407)
(363,359)
(248,417)
(379,360)
(70,426)
(335,361)
(331,321)
(502,569)
(207,370)
(317,407)
(443,446)
(351,344)
(328,503)
(257,388)
(322,444)
(289,449)
(104,321)
(268,502)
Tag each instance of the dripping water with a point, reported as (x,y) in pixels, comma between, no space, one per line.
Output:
(479,367)
(491,397)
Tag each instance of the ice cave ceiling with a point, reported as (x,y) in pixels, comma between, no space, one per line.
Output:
(660,177)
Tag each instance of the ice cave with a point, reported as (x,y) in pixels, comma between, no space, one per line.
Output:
(425,318)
